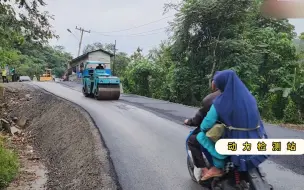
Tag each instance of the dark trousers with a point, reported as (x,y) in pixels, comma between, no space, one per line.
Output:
(195,148)
(4,79)
(13,78)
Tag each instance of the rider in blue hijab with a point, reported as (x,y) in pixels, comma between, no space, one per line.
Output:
(235,107)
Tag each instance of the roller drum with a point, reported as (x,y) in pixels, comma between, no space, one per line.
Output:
(108,93)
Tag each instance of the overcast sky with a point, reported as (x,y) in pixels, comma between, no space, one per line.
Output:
(104,16)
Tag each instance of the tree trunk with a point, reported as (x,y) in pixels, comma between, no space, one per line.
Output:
(214,59)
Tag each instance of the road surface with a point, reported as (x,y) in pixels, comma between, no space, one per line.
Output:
(147,143)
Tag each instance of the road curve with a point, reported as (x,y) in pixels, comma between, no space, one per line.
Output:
(148,149)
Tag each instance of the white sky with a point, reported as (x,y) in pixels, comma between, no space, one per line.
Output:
(113,15)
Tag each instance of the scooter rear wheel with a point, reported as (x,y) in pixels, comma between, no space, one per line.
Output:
(191,168)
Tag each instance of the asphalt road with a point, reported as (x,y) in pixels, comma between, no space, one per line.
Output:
(147,142)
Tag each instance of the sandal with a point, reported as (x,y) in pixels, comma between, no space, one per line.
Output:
(213,172)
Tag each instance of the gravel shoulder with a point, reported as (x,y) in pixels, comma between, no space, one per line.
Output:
(63,136)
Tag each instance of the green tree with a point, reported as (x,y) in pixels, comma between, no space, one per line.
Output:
(35,58)
(207,38)
(121,62)
(28,24)
(140,76)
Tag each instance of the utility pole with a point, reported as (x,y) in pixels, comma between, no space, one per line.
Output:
(81,31)
(114,56)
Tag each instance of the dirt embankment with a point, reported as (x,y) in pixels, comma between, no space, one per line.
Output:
(64,138)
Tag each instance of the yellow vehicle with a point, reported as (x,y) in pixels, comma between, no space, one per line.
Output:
(47,76)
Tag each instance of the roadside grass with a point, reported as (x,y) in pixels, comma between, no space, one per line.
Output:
(9,163)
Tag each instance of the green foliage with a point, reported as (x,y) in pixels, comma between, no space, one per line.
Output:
(9,165)
(121,62)
(24,36)
(141,76)
(207,37)
(34,58)
(291,113)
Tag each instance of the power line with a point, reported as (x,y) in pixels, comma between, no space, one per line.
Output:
(135,26)
(75,36)
(147,31)
(132,35)
(139,34)
(136,34)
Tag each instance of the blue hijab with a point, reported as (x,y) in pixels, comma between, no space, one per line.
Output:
(237,107)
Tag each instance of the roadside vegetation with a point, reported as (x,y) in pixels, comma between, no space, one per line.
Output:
(24,35)
(266,53)
(9,163)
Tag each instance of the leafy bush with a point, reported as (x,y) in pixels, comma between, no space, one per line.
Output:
(291,112)
(142,78)
(8,165)
(266,106)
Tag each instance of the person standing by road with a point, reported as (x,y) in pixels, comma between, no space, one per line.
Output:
(4,79)
(13,75)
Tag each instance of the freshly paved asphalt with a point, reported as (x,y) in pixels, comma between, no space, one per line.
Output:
(147,141)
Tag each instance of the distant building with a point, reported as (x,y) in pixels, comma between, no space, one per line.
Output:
(76,65)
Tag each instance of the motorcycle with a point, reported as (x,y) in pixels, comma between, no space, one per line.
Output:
(253,179)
